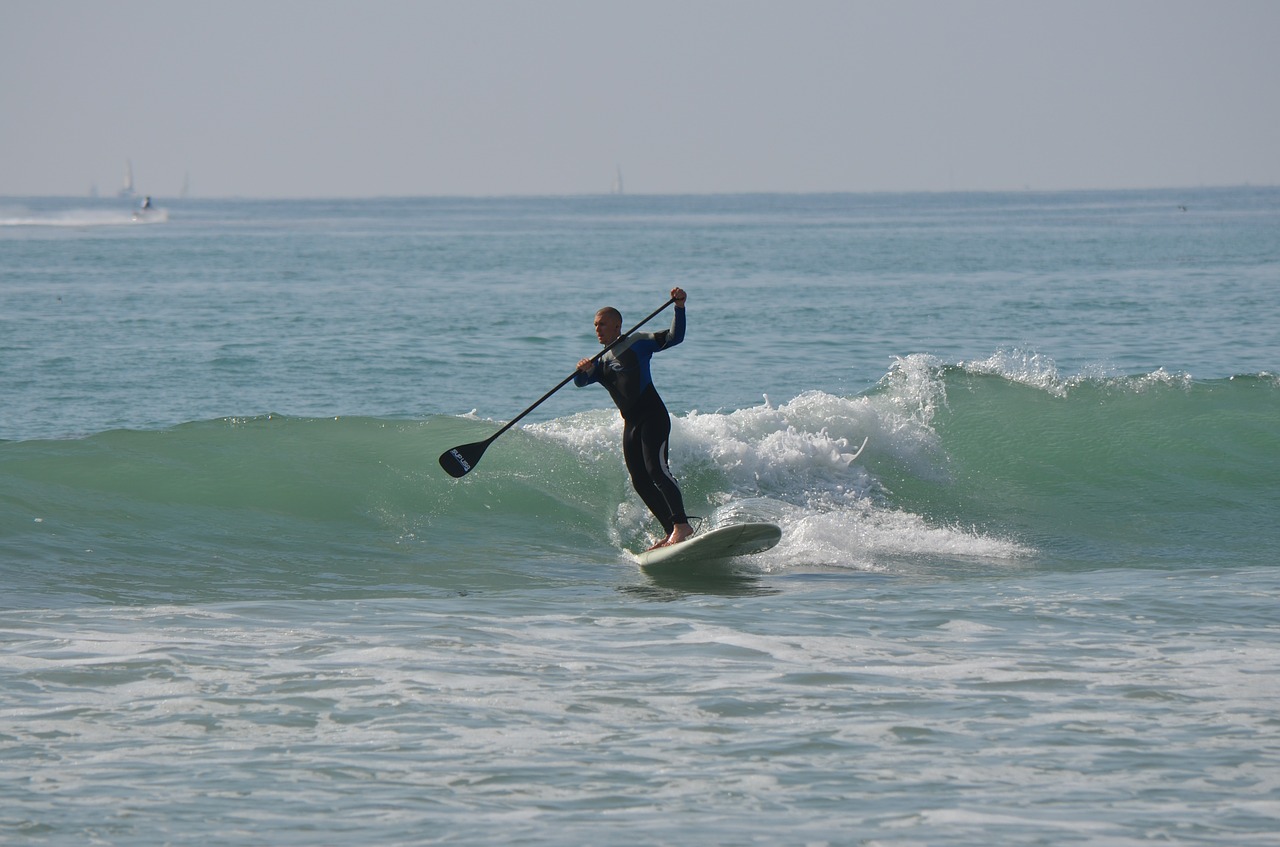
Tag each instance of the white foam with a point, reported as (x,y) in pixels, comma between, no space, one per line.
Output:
(860,538)
(1039,371)
(792,452)
(1024,367)
(794,464)
(84,218)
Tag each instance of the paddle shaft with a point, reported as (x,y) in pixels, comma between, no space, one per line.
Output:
(569,378)
(461,459)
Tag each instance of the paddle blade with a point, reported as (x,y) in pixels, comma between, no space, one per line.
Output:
(461,459)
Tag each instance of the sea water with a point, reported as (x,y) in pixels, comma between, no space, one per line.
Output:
(242,604)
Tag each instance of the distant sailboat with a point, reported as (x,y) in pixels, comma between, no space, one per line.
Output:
(127,189)
(617,182)
(186,185)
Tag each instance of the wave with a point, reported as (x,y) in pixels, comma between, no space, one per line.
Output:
(1157,468)
(997,463)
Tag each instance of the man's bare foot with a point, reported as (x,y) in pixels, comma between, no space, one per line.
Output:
(681,532)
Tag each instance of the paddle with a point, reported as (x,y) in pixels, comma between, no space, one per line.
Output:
(460,460)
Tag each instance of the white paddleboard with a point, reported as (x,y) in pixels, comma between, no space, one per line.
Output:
(724,542)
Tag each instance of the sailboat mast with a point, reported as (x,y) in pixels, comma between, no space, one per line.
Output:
(127,189)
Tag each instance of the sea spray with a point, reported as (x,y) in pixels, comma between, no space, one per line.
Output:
(793,463)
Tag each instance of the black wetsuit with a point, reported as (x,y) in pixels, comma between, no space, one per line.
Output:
(624,370)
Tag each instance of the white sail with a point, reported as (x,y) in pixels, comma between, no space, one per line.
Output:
(617,182)
(127,189)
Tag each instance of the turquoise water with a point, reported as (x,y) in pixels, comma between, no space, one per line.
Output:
(242,603)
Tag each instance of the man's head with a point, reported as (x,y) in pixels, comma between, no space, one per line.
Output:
(608,325)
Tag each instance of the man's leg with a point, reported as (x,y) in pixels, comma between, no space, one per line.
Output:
(654,438)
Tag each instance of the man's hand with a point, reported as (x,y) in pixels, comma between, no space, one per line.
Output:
(586,365)
(679,295)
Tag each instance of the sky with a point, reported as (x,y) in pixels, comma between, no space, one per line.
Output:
(375,98)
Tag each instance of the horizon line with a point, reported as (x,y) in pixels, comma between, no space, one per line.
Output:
(622,197)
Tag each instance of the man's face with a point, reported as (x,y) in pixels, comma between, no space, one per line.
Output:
(608,327)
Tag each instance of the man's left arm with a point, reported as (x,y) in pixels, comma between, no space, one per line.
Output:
(676,334)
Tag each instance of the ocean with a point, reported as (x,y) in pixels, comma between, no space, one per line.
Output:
(242,603)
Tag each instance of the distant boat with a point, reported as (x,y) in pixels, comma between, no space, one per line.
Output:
(149,213)
(617,182)
(186,185)
(127,189)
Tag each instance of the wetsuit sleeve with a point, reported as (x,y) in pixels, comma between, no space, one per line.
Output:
(676,334)
(580,379)
(662,339)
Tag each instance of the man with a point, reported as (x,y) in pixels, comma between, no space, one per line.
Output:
(624,370)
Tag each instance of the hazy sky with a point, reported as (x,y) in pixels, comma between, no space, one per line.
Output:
(484,97)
